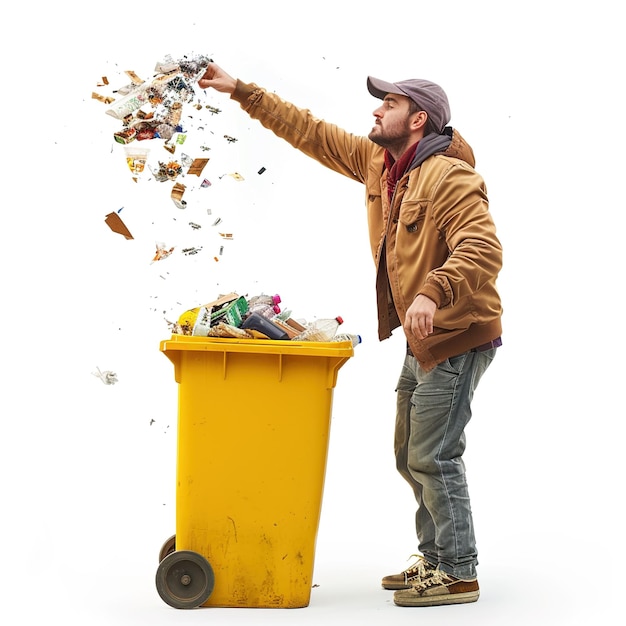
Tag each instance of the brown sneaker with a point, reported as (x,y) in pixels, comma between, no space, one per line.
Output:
(437,589)
(418,571)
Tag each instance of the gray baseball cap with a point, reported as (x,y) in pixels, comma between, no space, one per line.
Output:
(430,97)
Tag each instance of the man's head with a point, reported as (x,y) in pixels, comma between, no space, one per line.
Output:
(428,97)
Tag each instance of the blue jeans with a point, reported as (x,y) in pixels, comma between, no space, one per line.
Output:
(432,411)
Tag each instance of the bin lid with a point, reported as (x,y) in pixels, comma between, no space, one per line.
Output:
(258,346)
(336,353)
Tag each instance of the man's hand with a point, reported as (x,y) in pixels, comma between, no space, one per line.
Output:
(419,317)
(218,79)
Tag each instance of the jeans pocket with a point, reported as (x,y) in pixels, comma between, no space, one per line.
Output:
(454,364)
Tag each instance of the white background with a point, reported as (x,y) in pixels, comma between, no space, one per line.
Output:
(88,469)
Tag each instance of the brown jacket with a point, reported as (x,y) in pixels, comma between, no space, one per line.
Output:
(437,237)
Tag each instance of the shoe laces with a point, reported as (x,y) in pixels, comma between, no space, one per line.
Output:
(419,569)
(436,578)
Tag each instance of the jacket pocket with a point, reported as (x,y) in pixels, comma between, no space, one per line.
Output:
(412,214)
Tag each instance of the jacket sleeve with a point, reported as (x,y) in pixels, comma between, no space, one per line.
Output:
(462,217)
(328,144)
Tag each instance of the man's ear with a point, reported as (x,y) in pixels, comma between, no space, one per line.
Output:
(419,120)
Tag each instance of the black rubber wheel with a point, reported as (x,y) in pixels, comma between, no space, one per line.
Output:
(185,579)
(167,548)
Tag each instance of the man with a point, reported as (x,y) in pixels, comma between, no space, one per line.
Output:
(437,258)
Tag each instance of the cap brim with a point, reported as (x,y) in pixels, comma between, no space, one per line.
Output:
(380,88)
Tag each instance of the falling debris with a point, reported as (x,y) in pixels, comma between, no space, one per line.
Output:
(116,224)
(153,109)
(197,166)
(157,112)
(187,161)
(125,135)
(177,195)
(136,158)
(104,99)
(168,171)
(107,377)
(172,84)
(134,78)
(162,252)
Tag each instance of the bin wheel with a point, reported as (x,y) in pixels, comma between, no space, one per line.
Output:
(167,548)
(185,579)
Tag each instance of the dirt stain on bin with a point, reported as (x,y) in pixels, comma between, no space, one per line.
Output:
(232,521)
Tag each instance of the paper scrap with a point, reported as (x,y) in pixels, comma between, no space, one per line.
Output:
(107,377)
(162,252)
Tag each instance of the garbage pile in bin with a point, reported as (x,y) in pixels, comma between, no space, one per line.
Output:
(256,317)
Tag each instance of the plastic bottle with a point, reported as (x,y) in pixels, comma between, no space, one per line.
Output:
(202,324)
(283,316)
(323,329)
(355,339)
(263,298)
(188,320)
(266,310)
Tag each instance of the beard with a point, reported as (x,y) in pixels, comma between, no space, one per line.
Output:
(394,138)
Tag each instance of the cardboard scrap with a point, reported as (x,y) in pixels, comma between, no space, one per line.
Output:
(136,80)
(104,99)
(177,195)
(116,224)
(197,166)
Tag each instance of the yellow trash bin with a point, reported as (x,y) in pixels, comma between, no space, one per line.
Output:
(253,432)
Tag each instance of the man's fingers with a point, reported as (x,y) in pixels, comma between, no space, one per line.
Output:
(420,326)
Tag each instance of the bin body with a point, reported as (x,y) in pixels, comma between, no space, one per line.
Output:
(252,442)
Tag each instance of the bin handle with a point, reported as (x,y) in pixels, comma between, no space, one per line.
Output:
(334,370)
